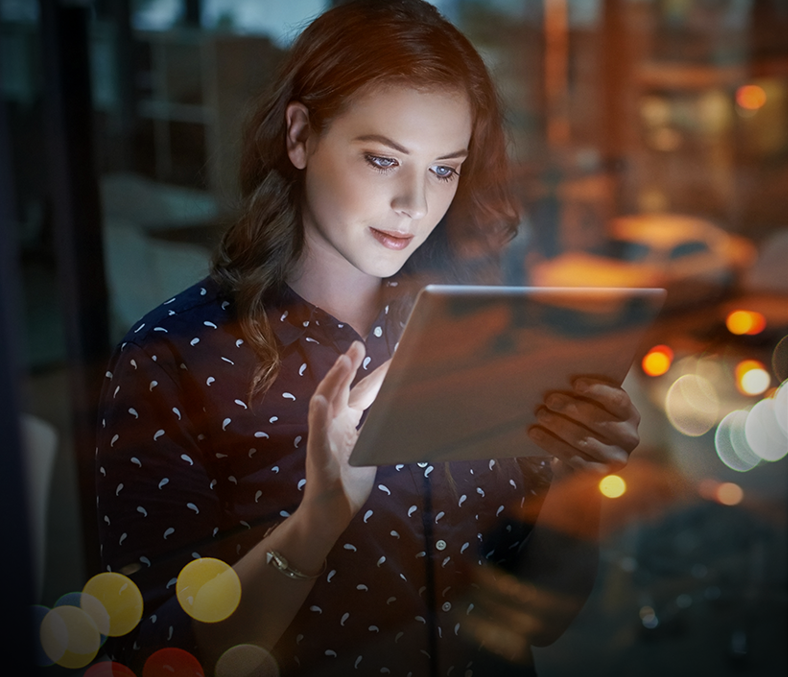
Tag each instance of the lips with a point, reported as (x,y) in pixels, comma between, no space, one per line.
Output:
(392,239)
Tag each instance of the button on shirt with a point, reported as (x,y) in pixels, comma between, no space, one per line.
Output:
(189,466)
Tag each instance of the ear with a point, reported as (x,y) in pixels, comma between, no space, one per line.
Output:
(298,130)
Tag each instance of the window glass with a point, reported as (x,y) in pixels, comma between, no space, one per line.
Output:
(666,119)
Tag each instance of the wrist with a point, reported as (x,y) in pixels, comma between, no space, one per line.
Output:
(321,520)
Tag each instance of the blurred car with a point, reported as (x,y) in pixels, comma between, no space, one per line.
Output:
(691,257)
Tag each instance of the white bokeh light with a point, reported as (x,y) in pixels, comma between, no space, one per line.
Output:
(781,406)
(755,381)
(764,434)
(731,443)
(692,405)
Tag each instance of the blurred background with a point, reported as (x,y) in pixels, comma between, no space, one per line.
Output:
(650,146)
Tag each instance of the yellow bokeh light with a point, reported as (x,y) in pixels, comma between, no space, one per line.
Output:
(612,486)
(742,322)
(120,597)
(69,637)
(752,377)
(657,361)
(246,659)
(208,589)
(751,97)
(729,493)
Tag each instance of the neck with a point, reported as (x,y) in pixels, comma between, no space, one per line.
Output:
(347,294)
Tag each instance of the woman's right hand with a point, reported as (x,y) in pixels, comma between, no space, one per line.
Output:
(335,491)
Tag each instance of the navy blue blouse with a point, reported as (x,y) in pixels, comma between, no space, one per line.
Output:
(188,466)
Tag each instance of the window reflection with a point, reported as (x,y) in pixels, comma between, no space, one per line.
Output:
(665,111)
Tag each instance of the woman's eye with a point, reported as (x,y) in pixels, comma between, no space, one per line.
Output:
(381,162)
(444,173)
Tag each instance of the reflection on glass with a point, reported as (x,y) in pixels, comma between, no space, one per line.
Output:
(692,405)
(208,589)
(248,660)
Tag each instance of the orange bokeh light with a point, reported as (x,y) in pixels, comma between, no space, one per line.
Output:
(729,493)
(748,322)
(657,361)
(750,97)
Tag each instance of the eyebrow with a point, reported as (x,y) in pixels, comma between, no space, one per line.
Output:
(379,138)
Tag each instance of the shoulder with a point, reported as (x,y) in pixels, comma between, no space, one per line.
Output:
(201,305)
(187,329)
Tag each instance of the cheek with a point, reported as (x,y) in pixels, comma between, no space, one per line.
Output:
(341,193)
(442,200)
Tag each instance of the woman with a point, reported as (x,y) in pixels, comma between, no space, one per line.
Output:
(230,411)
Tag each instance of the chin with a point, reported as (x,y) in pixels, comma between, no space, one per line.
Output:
(385,269)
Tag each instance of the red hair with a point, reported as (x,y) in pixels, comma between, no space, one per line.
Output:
(350,48)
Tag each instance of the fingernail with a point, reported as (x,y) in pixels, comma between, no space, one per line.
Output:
(556,401)
(535,433)
(581,385)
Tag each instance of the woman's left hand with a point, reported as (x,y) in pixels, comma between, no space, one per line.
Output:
(593,427)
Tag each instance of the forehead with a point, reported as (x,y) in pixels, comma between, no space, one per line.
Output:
(428,120)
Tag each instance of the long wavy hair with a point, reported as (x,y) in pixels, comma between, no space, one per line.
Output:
(358,45)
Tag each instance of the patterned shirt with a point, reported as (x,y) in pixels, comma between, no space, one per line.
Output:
(188,466)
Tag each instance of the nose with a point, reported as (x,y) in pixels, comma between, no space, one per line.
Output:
(410,198)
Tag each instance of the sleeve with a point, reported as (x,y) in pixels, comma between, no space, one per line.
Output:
(155,498)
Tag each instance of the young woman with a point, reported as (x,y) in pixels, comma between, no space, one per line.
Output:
(229,412)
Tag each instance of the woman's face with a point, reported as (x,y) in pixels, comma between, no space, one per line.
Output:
(380,177)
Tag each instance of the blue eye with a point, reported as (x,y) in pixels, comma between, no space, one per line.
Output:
(445,173)
(380,163)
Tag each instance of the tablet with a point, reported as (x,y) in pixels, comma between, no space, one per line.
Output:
(474,363)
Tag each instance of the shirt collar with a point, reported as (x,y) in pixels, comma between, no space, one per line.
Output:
(290,315)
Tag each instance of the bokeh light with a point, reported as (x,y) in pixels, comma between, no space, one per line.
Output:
(648,617)
(780,359)
(707,488)
(764,435)
(38,613)
(729,493)
(657,361)
(248,660)
(781,406)
(208,589)
(69,637)
(612,486)
(120,597)
(109,669)
(692,405)
(750,97)
(172,662)
(730,442)
(748,322)
(752,377)
(91,606)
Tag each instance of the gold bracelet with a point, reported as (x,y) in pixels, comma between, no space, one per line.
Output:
(280,563)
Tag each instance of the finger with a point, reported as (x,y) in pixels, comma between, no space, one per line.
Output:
(578,436)
(318,421)
(355,354)
(609,397)
(363,394)
(570,455)
(594,417)
(337,381)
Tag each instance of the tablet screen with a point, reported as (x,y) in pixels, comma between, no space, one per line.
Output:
(474,363)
